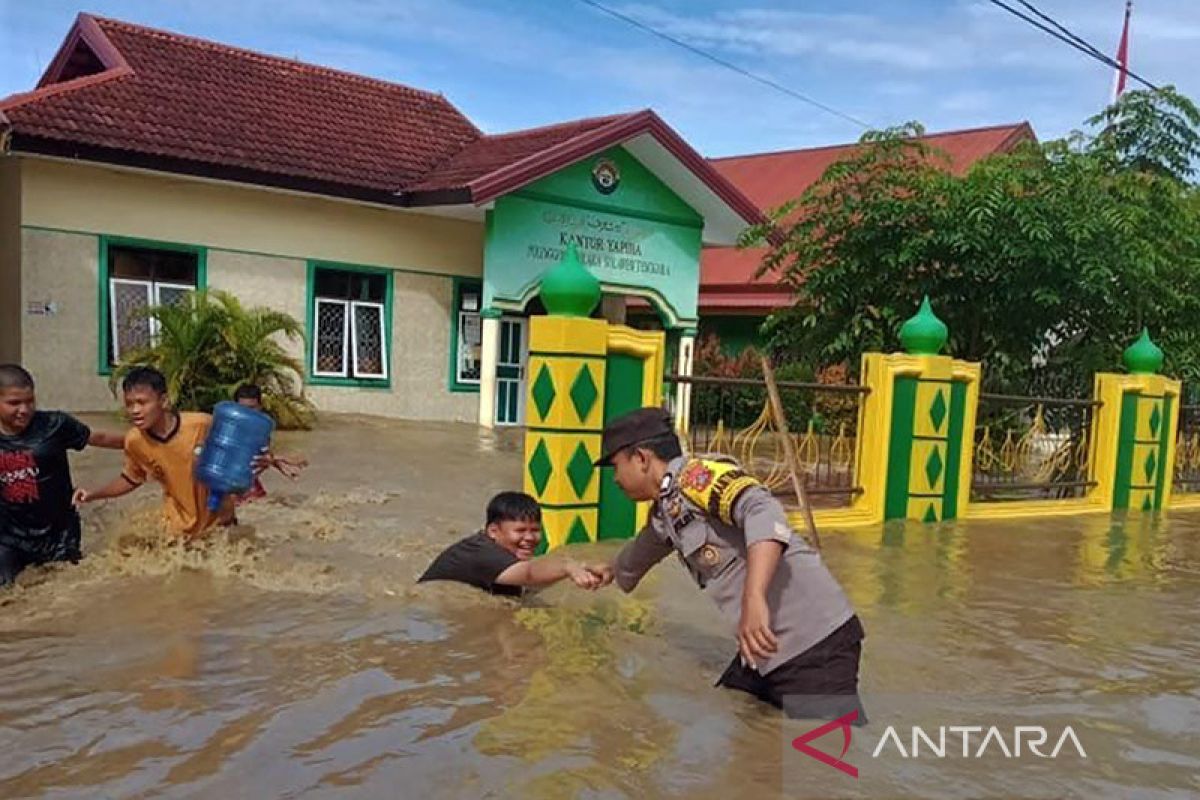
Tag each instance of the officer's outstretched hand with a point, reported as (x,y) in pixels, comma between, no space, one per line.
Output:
(756,642)
(583,576)
(603,572)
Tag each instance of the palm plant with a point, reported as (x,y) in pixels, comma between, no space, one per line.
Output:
(208,344)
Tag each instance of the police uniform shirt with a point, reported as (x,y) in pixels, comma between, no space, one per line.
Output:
(709,513)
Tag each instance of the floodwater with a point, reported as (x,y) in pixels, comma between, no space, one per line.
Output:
(293,657)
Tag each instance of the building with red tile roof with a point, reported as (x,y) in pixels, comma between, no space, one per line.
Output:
(733,298)
(147,164)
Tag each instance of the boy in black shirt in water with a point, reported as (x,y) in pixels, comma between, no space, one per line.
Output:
(38,524)
(499,558)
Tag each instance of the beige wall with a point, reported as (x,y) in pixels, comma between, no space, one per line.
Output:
(10,259)
(80,197)
(63,268)
(421,309)
(278,283)
(60,349)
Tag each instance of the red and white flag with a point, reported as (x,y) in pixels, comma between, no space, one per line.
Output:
(1123,55)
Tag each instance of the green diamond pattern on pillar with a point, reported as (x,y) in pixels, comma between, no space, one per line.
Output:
(933,467)
(1151,463)
(540,467)
(1147,505)
(1155,421)
(584,393)
(930,514)
(580,470)
(578,533)
(937,410)
(543,392)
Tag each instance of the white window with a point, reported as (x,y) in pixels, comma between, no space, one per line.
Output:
(468,335)
(350,316)
(141,277)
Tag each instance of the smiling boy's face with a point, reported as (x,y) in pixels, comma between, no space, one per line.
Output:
(17,404)
(519,537)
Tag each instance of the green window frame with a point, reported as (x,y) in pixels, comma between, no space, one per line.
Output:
(312,378)
(103,307)
(463,289)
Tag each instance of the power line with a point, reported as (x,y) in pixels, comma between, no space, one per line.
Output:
(728,65)
(1069,39)
(1096,53)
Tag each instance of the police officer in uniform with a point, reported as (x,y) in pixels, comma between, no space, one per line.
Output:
(799,641)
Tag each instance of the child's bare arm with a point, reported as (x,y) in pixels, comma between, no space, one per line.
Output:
(117,487)
(106,439)
(547,570)
(290,465)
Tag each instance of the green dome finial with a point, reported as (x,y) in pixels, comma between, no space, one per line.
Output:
(568,289)
(1143,357)
(924,334)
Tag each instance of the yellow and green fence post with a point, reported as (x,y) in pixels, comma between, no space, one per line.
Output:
(917,427)
(565,404)
(1133,438)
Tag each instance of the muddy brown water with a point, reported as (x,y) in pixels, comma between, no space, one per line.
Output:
(293,657)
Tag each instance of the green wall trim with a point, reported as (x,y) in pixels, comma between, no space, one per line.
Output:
(218,249)
(1164,441)
(1125,442)
(904,404)
(311,267)
(954,448)
(568,506)
(103,242)
(453,383)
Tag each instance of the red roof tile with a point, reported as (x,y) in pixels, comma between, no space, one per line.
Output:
(771,179)
(190,99)
(490,153)
(144,97)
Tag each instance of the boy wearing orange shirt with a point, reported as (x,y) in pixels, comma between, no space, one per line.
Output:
(163,445)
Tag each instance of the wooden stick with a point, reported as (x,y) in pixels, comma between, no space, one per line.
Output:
(789,450)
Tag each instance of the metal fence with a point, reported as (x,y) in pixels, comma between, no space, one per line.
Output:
(1031,448)
(732,417)
(1187,450)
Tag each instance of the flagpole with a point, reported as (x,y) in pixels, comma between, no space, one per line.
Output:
(1122,55)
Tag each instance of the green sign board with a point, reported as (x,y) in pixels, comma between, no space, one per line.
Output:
(639,252)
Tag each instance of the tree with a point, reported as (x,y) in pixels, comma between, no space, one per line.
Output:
(1156,132)
(209,344)
(1044,262)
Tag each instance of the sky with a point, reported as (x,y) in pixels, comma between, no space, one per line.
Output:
(512,64)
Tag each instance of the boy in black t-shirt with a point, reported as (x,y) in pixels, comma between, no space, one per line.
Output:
(499,558)
(37,521)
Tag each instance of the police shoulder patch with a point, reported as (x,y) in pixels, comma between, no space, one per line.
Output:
(696,475)
(715,486)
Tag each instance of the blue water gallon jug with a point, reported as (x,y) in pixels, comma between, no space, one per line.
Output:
(237,435)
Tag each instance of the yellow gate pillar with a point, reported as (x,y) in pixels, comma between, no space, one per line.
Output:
(1133,436)
(565,409)
(916,427)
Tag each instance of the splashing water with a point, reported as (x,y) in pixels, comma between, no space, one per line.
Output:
(294,656)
